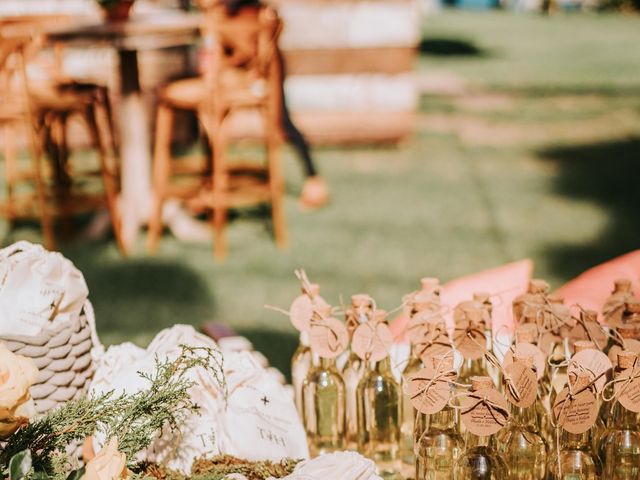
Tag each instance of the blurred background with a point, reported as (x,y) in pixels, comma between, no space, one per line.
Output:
(452,138)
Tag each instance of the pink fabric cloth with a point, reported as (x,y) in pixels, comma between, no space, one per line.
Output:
(592,288)
(505,282)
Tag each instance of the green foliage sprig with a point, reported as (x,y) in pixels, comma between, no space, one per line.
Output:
(135,419)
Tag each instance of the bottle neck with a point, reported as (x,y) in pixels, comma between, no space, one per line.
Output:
(383,367)
(445,419)
(575,441)
(327,363)
(524,417)
(304,339)
(475,441)
(623,419)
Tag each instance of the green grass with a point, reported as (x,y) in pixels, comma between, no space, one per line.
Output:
(538,157)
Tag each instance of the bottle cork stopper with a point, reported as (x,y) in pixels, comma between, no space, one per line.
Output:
(380,315)
(482,297)
(527,333)
(442,362)
(622,285)
(429,283)
(632,306)
(589,315)
(538,285)
(579,381)
(313,290)
(556,299)
(628,332)
(526,359)
(626,359)
(473,312)
(479,383)
(584,345)
(360,300)
(530,313)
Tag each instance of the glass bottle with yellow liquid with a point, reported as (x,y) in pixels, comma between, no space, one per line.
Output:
(300,366)
(323,398)
(577,459)
(520,442)
(480,460)
(359,312)
(379,417)
(476,365)
(620,445)
(440,444)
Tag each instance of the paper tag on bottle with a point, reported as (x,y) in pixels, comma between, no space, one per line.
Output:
(594,361)
(328,337)
(525,382)
(527,350)
(630,344)
(578,333)
(580,412)
(433,344)
(469,341)
(628,393)
(432,399)
(481,419)
(301,310)
(372,341)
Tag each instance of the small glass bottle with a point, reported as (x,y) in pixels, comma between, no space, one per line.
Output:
(535,295)
(520,443)
(577,458)
(300,366)
(301,360)
(359,312)
(379,416)
(439,445)
(480,460)
(323,397)
(473,367)
(620,445)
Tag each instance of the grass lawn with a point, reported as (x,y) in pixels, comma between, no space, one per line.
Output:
(535,153)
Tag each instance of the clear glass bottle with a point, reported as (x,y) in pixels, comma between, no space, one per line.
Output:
(578,460)
(520,442)
(359,312)
(323,397)
(379,417)
(480,460)
(409,414)
(439,445)
(620,445)
(300,366)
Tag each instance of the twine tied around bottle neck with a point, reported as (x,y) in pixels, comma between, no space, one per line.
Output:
(498,413)
(493,360)
(625,383)
(441,375)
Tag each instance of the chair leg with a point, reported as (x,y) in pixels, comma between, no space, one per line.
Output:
(62,180)
(37,159)
(11,170)
(100,139)
(276,187)
(219,185)
(161,173)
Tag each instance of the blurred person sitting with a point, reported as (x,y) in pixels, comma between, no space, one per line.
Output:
(315,192)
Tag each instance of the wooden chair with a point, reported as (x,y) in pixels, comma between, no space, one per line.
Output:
(16,113)
(52,104)
(244,75)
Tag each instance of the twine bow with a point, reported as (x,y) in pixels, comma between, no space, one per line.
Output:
(498,413)
(626,382)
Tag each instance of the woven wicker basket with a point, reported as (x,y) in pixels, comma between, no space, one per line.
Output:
(63,357)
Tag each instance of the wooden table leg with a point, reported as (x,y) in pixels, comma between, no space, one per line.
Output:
(134,149)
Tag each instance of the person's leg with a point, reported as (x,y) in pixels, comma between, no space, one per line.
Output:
(314,191)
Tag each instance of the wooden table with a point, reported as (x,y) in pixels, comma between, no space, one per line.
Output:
(141,32)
